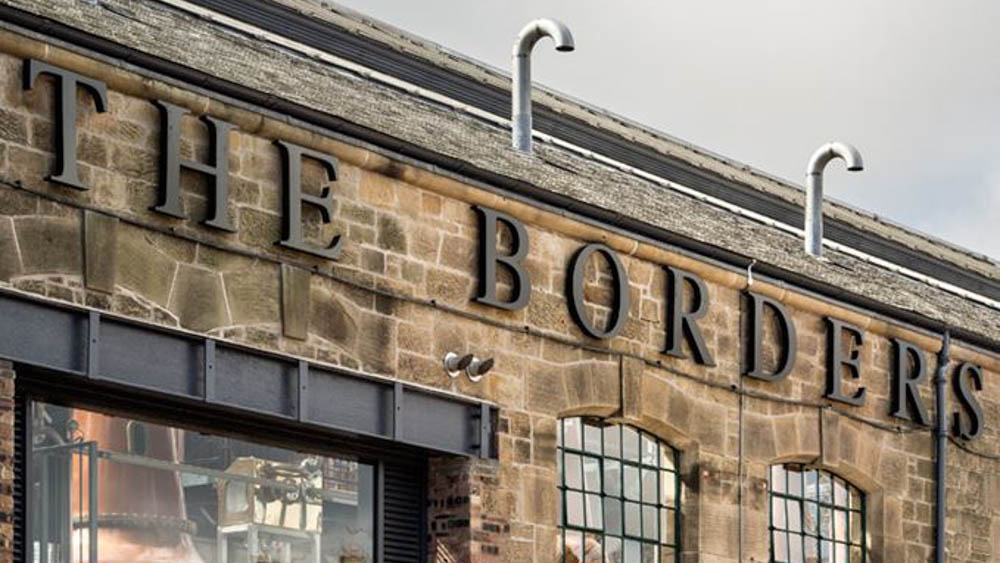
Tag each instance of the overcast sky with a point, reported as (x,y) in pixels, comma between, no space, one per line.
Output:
(915,85)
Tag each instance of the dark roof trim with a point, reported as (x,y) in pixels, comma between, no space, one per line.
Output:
(368,52)
(485,179)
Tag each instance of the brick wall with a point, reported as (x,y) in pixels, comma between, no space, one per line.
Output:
(400,298)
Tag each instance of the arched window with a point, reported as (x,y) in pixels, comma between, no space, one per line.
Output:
(619,494)
(815,517)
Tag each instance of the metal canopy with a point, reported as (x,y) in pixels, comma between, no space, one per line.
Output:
(131,355)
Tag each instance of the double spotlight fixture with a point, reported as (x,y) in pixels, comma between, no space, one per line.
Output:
(474,367)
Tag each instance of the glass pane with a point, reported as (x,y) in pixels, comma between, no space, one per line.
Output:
(839,492)
(574,545)
(649,486)
(810,519)
(795,548)
(811,488)
(613,549)
(572,478)
(649,451)
(592,551)
(795,483)
(592,438)
(668,488)
(574,508)
(855,498)
(855,554)
(613,516)
(633,522)
(650,523)
(631,482)
(778,513)
(632,552)
(594,512)
(840,550)
(630,444)
(667,526)
(812,549)
(592,474)
(794,516)
(826,551)
(667,457)
(650,553)
(825,488)
(572,433)
(189,496)
(855,527)
(613,441)
(778,479)
(825,522)
(840,525)
(780,546)
(612,478)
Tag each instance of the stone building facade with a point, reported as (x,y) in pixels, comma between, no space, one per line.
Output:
(406,289)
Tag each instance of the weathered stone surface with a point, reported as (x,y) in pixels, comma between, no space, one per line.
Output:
(198,299)
(100,251)
(254,293)
(50,244)
(10,256)
(143,267)
(295,302)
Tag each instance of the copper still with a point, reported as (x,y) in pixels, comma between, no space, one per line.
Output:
(141,513)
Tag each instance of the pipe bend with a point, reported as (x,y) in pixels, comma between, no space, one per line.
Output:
(540,28)
(832,150)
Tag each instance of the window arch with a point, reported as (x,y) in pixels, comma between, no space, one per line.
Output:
(815,517)
(619,494)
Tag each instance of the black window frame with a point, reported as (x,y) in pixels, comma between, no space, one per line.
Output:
(397,467)
(562,449)
(855,503)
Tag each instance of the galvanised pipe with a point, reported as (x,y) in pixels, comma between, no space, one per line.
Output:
(814,189)
(521,87)
(941,463)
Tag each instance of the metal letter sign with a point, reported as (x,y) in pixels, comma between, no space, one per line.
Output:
(171,164)
(489,258)
(66,171)
(574,287)
(837,360)
(973,428)
(755,360)
(905,393)
(682,325)
(292,237)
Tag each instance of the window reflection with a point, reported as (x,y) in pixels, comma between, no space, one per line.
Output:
(154,493)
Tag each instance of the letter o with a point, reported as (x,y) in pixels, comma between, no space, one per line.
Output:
(574,287)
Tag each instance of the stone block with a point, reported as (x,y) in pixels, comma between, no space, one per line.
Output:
(329,318)
(631,388)
(198,299)
(50,245)
(142,266)
(295,298)
(10,256)
(758,438)
(100,251)
(253,294)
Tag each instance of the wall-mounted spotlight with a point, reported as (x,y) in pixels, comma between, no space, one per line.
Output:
(477,368)
(454,364)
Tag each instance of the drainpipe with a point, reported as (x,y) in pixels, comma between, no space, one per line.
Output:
(814,189)
(941,467)
(521,87)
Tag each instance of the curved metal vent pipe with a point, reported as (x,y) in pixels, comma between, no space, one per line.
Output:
(814,189)
(521,88)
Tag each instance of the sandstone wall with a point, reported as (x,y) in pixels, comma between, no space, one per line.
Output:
(400,297)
